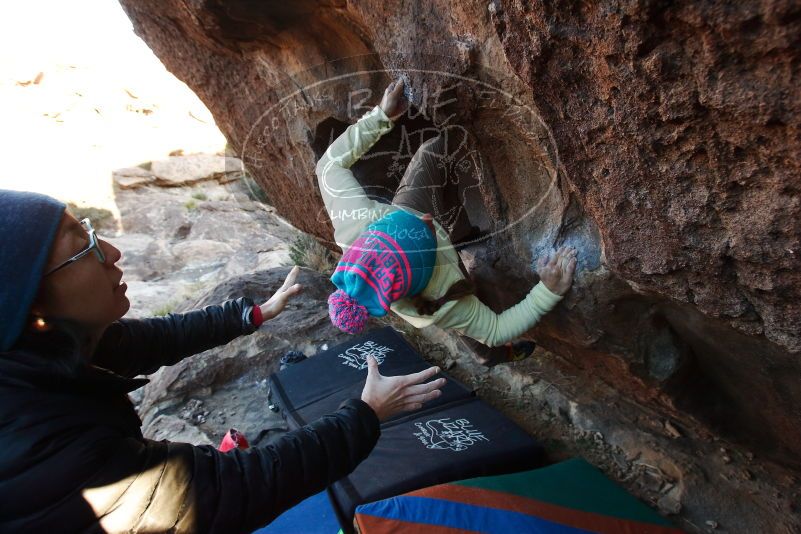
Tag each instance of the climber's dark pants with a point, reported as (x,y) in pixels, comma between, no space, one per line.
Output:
(434,182)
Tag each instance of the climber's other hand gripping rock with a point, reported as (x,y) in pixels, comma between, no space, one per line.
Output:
(556,271)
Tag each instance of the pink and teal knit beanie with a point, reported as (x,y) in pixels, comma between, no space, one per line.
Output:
(392,259)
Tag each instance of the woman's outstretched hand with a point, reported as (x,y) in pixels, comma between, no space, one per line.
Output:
(391,395)
(393,104)
(556,271)
(276,304)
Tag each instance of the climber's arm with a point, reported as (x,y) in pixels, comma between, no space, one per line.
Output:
(474,319)
(345,201)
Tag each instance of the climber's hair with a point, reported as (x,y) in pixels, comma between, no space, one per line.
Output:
(459,289)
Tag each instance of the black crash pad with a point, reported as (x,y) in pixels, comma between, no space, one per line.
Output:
(316,386)
(454,437)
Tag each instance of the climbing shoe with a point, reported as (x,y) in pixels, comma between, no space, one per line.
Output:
(521,350)
(511,352)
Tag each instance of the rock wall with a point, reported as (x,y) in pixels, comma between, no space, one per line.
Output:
(678,125)
(659,138)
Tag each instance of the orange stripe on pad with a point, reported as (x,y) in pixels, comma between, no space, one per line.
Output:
(550,512)
(370,524)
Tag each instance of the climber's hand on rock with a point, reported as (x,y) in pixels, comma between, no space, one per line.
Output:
(391,395)
(276,304)
(394,103)
(556,271)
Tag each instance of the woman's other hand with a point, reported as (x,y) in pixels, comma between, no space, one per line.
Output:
(276,304)
(556,271)
(391,395)
(394,103)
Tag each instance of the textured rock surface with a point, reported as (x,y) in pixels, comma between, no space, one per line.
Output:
(182,238)
(678,125)
(660,139)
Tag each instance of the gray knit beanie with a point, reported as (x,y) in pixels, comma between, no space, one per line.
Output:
(28,224)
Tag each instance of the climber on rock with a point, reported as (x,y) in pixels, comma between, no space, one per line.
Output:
(74,458)
(399,257)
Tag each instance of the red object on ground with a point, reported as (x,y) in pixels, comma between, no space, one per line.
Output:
(233,439)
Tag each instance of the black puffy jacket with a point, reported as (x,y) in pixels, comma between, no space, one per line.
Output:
(73,459)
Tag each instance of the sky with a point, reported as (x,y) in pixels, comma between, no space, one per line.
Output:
(103,101)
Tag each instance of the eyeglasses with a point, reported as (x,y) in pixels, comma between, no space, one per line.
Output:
(94,245)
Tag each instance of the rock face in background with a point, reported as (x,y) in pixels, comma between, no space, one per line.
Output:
(660,139)
(186,225)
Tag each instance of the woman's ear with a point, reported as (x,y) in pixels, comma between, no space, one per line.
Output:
(40,324)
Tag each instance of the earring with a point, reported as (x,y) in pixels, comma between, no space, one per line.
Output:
(40,325)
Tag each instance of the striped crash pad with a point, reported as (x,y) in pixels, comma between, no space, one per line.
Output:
(568,497)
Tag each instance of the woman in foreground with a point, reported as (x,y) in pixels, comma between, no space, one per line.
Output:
(74,458)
